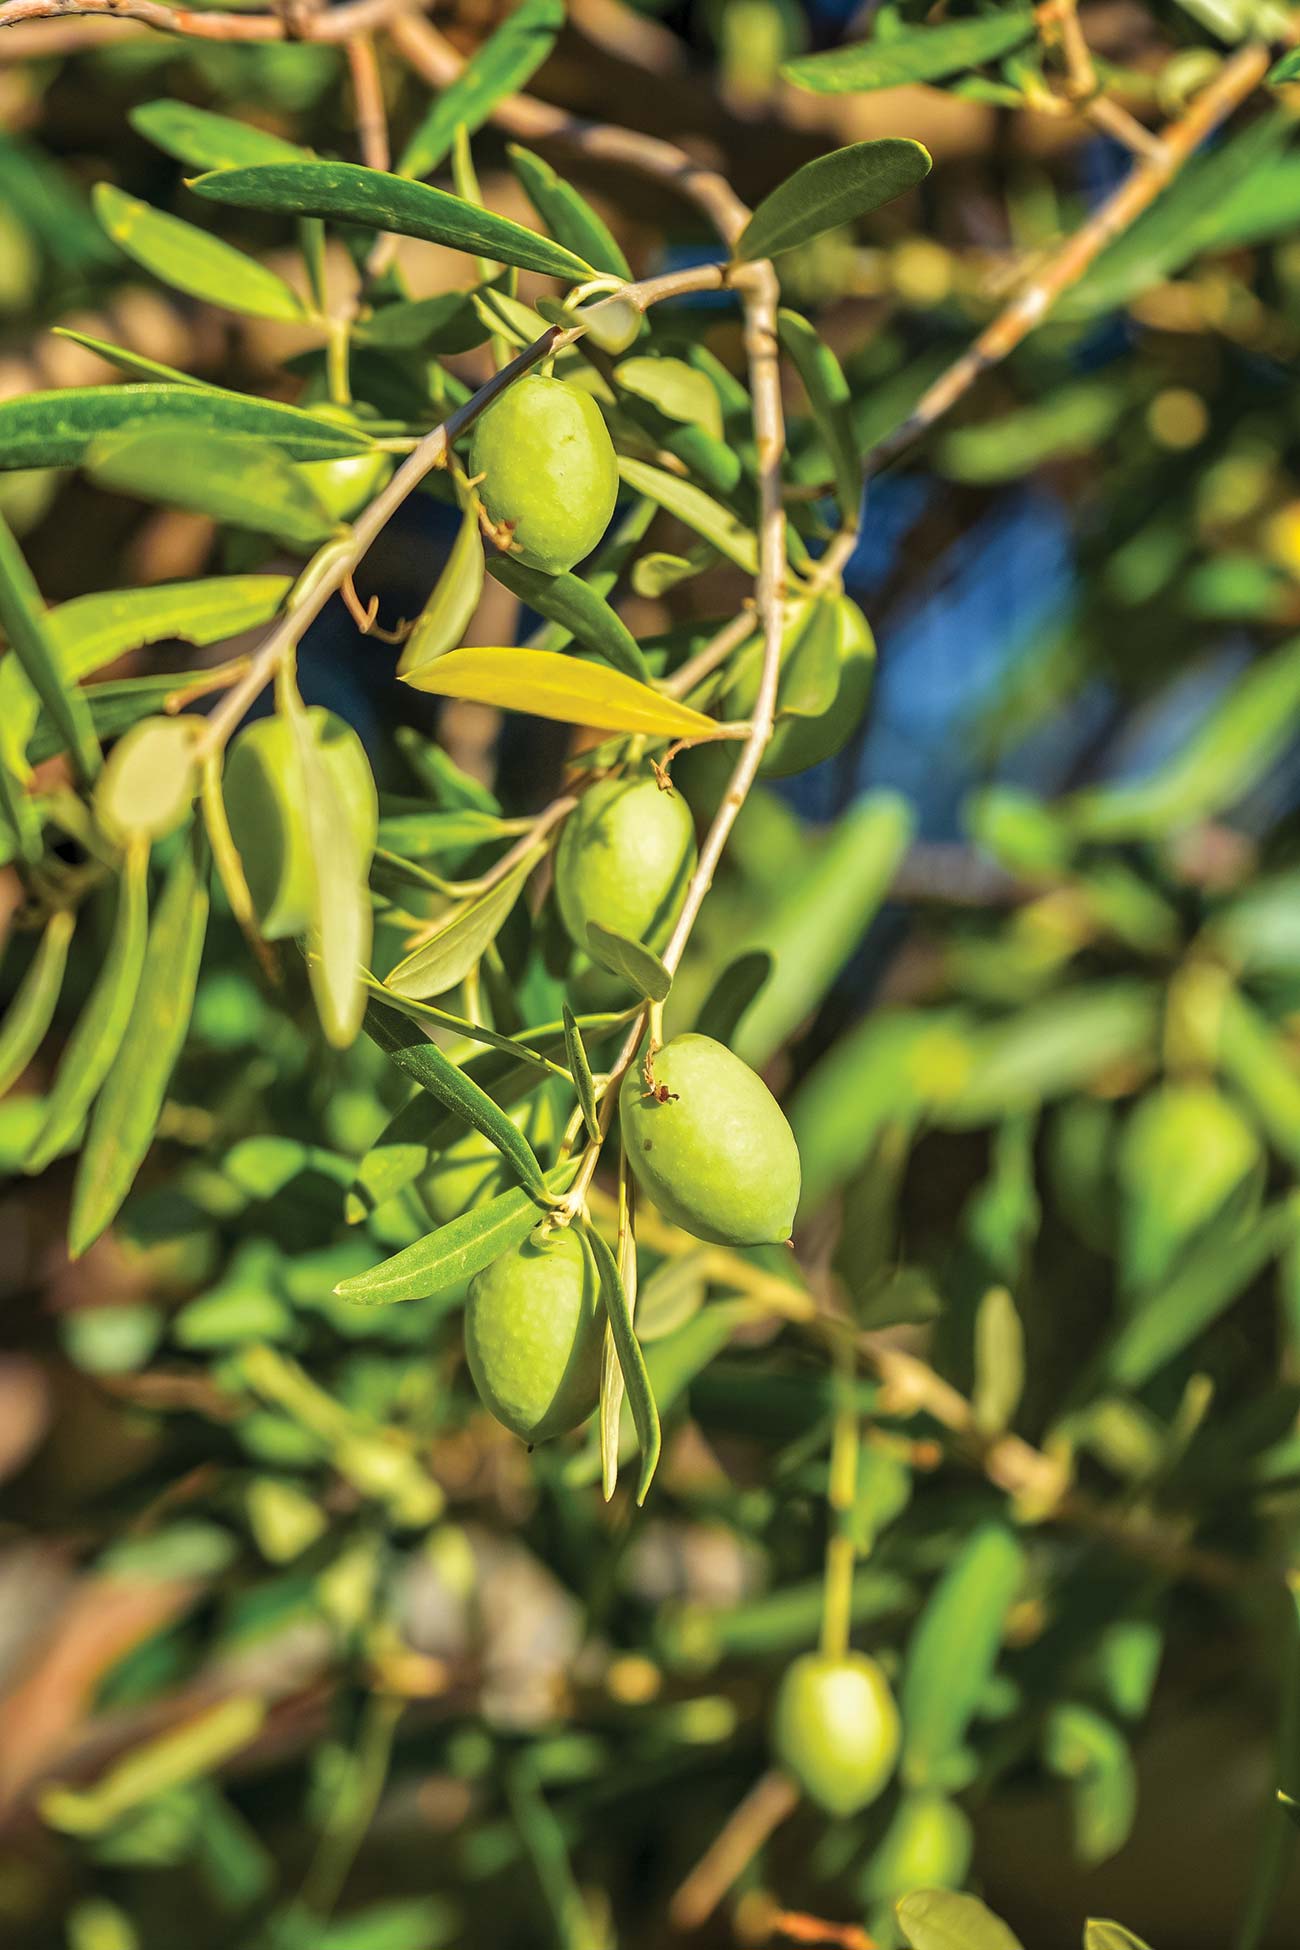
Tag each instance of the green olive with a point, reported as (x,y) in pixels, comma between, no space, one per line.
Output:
(927,1845)
(534,1330)
(836,1729)
(625,858)
(710,1144)
(343,487)
(797,742)
(549,473)
(263,792)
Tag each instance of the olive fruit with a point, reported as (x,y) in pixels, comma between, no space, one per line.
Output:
(343,487)
(534,1331)
(710,1144)
(800,742)
(927,1845)
(262,786)
(549,477)
(835,1727)
(625,858)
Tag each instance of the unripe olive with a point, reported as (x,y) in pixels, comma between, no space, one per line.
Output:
(710,1145)
(927,1845)
(625,858)
(343,487)
(263,790)
(798,743)
(835,1728)
(534,1329)
(549,473)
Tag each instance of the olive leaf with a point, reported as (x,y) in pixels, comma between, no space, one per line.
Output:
(191,259)
(410,1049)
(584,615)
(338,944)
(207,141)
(55,429)
(31,1011)
(729,998)
(943,1919)
(953,1649)
(999,1362)
(631,960)
(445,617)
(567,215)
(128,1108)
(831,190)
(636,1376)
(580,1070)
(449,955)
(501,67)
(350,193)
(445,323)
(675,389)
(719,527)
(828,396)
(94,1042)
(425,835)
(92,630)
(1099,1934)
(247,483)
(925,53)
(547,685)
(25,622)
(131,362)
(444,1260)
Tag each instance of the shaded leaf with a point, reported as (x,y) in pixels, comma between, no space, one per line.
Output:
(572,603)
(445,323)
(350,193)
(729,998)
(410,1049)
(444,1260)
(339,938)
(953,1649)
(545,684)
(192,260)
(25,622)
(501,67)
(828,396)
(246,483)
(833,190)
(631,960)
(999,1362)
(636,1376)
(567,215)
(128,361)
(31,1011)
(697,510)
(926,53)
(126,1114)
(943,1919)
(445,617)
(448,956)
(207,141)
(580,1070)
(55,429)
(676,389)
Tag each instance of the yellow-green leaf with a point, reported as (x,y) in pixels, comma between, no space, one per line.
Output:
(443,620)
(192,260)
(546,684)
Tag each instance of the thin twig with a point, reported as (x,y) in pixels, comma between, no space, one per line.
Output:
(369,113)
(337,23)
(772,1800)
(1235,80)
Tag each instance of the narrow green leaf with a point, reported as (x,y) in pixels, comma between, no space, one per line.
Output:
(999,1362)
(92,630)
(548,685)
(828,396)
(410,1049)
(25,622)
(584,615)
(833,190)
(95,1040)
(447,958)
(134,363)
(55,429)
(631,960)
(736,987)
(927,53)
(444,1260)
(191,260)
(444,619)
(206,141)
(953,1649)
(677,390)
(350,193)
(567,215)
(1102,1935)
(445,323)
(1287,69)
(502,66)
(944,1919)
(31,1012)
(126,1115)
(699,511)
(636,1376)
(425,835)
(339,939)
(246,483)
(580,1070)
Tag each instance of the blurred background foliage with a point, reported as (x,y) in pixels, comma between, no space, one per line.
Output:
(299,1649)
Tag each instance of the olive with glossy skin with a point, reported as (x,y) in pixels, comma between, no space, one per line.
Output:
(835,1727)
(343,487)
(710,1144)
(625,859)
(534,1332)
(798,743)
(262,787)
(549,473)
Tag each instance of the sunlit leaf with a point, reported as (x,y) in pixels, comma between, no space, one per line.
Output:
(504,63)
(580,1069)
(923,53)
(31,1011)
(410,1049)
(943,1919)
(206,141)
(567,215)
(460,944)
(55,429)
(443,1261)
(247,483)
(444,619)
(719,527)
(192,260)
(631,961)
(828,396)
(676,389)
(831,190)
(546,684)
(585,616)
(953,1649)
(25,622)
(636,1376)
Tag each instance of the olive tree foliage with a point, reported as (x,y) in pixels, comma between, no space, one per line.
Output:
(587,1395)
